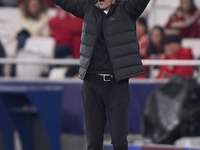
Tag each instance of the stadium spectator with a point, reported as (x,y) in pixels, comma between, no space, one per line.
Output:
(174,51)
(155,46)
(142,36)
(66,29)
(185,21)
(143,39)
(2,55)
(33,21)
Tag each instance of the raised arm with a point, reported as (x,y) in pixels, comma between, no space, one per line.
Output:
(76,7)
(135,7)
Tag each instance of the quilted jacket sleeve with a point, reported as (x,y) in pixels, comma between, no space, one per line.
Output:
(76,7)
(135,7)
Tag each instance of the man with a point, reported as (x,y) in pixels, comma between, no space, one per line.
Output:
(109,56)
(173,50)
(143,38)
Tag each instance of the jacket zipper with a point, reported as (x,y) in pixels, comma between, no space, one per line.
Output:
(106,40)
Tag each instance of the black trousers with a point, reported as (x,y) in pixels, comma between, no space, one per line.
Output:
(99,98)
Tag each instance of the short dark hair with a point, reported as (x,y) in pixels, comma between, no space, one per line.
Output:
(142,21)
(172,39)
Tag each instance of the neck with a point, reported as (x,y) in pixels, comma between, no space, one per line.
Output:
(108,8)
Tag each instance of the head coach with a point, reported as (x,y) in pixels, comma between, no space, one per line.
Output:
(109,56)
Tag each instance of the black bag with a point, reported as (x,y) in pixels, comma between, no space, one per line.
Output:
(22,37)
(172,111)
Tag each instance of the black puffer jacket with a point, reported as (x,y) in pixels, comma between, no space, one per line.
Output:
(119,33)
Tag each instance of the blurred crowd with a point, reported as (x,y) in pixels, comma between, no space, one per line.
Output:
(165,42)
(159,42)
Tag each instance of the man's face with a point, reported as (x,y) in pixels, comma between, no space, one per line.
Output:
(171,48)
(105,4)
